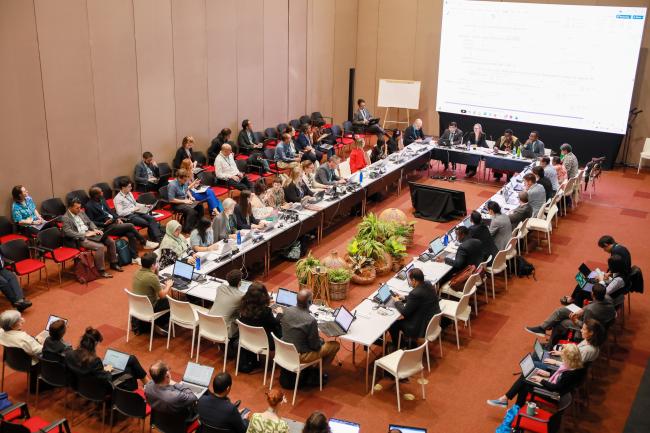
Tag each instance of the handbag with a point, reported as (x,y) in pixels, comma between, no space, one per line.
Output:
(123,252)
(84,269)
(457,282)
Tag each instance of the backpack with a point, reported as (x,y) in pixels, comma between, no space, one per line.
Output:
(123,252)
(524,268)
(4,401)
(635,280)
(84,268)
(508,419)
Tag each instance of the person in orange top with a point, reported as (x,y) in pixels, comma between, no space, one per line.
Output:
(358,157)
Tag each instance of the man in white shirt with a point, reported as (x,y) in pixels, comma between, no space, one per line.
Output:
(226,169)
(126,207)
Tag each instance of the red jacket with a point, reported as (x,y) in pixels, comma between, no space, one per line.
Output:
(357,160)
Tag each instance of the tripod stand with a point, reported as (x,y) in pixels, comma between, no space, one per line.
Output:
(628,134)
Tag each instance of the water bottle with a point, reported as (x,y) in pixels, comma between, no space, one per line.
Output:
(445,240)
(514,152)
(238,237)
(519,152)
(469,145)
(198,263)
(361,177)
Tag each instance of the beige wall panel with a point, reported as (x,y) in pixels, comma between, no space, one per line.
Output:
(320,56)
(365,84)
(297,58)
(155,66)
(22,115)
(425,62)
(115,86)
(276,63)
(250,62)
(68,91)
(190,71)
(222,65)
(345,55)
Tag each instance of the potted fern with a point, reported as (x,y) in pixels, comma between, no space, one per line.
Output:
(363,271)
(397,250)
(339,283)
(304,267)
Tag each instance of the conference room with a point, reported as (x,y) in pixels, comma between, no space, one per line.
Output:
(340,216)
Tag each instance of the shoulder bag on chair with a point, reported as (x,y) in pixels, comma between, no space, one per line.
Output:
(457,282)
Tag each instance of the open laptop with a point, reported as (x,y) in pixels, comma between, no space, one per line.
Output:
(46,332)
(343,426)
(286,297)
(317,197)
(405,429)
(586,278)
(340,325)
(145,208)
(528,368)
(539,351)
(384,296)
(182,274)
(116,359)
(197,378)
(436,246)
(401,275)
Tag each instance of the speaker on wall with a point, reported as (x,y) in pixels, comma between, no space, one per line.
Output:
(351,94)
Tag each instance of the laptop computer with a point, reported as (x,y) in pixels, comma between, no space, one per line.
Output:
(436,246)
(586,278)
(343,426)
(46,332)
(528,368)
(384,296)
(116,359)
(317,197)
(197,378)
(286,297)
(145,208)
(394,428)
(182,274)
(401,275)
(539,351)
(340,325)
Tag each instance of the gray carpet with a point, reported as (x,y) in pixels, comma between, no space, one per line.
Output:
(638,421)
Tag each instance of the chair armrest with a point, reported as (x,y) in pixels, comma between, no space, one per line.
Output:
(44,249)
(24,411)
(550,395)
(521,415)
(62,425)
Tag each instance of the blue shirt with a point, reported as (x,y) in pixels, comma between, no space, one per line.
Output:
(22,211)
(177,191)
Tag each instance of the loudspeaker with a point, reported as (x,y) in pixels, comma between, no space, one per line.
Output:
(351,93)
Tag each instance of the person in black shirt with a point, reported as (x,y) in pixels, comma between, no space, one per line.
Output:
(469,251)
(480,231)
(546,183)
(185,151)
(414,133)
(216,410)
(244,213)
(246,139)
(54,348)
(218,141)
(609,245)
(475,138)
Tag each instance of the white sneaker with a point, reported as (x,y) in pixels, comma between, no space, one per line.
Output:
(151,245)
(136,261)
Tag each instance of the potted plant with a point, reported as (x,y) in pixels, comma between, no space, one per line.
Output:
(375,250)
(304,267)
(397,250)
(363,271)
(404,231)
(339,282)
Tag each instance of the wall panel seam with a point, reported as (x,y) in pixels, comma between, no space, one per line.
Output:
(92,89)
(137,75)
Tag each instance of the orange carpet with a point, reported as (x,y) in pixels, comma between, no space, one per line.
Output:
(462,380)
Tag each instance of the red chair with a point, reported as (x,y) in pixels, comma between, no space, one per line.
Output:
(19,259)
(51,244)
(16,419)
(546,420)
(7,231)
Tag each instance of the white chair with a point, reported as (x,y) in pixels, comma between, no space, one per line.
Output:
(253,339)
(344,169)
(483,281)
(184,315)
(140,308)
(544,225)
(212,328)
(402,364)
(499,265)
(287,357)
(490,144)
(542,210)
(523,235)
(511,253)
(468,288)
(548,151)
(645,154)
(458,310)
(433,332)
(568,192)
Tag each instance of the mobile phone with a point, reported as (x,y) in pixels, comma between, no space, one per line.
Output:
(245,412)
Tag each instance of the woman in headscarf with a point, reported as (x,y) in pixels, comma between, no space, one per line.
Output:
(174,245)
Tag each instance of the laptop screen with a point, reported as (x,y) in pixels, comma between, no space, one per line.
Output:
(467,222)
(342,426)
(183,270)
(392,428)
(287,297)
(116,359)
(581,279)
(198,374)
(344,318)
(527,365)
(539,350)
(53,319)
(383,294)
(436,246)
(584,270)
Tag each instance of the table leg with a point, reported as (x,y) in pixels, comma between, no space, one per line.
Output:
(367,364)
(354,348)
(399,182)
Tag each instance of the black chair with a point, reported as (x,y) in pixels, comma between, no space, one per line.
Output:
(205,428)
(295,123)
(164,170)
(95,390)
(130,404)
(106,189)
(271,133)
(172,423)
(281,128)
(23,422)
(200,158)
(207,178)
(525,422)
(7,231)
(116,182)
(348,127)
(147,198)
(259,136)
(52,208)
(316,116)
(79,194)
(55,375)
(18,360)
(269,155)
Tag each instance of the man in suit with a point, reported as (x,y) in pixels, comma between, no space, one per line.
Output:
(147,174)
(361,120)
(417,309)
(10,287)
(326,173)
(301,329)
(480,231)
(305,145)
(500,227)
(521,212)
(533,147)
(78,228)
(228,301)
(216,410)
(452,136)
(469,251)
(246,139)
(536,193)
(414,133)
(542,180)
(167,398)
(609,245)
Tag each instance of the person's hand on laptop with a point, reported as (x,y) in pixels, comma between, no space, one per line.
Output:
(551,361)
(536,379)
(108,368)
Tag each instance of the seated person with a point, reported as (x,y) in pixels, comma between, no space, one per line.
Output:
(361,120)
(392,137)
(270,420)
(12,334)
(305,145)
(228,301)
(185,151)
(146,282)
(224,225)
(54,347)
(169,398)
(301,329)
(83,361)
(564,380)
(322,137)
(562,319)
(106,219)
(500,227)
(225,168)
(125,207)
(521,212)
(10,287)
(536,193)
(327,173)
(452,136)
(358,157)
(255,310)
(244,213)
(414,133)
(174,244)
(593,336)
(208,195)
(613,280)
(215,146)
(181,198)
(261,210)
(81,232)
(506,143)
(285,154)
(470,251)
(216,410)
(295,189)
(379,151)
(246,139)
(475,138)
(309,178)
(316,423)
(549,172)
(533,147)
(480,231)
(417,309)
(560,170)
(24,213)
(274,197)
(542,180)
(147,174)
(202,237)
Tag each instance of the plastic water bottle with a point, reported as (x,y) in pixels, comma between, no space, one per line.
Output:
(514,152)
(469,145)
(445,240)
(361,176)
(238,237)
(519,152)
(198,263)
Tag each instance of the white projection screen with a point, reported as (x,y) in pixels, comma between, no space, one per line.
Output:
(548,64)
